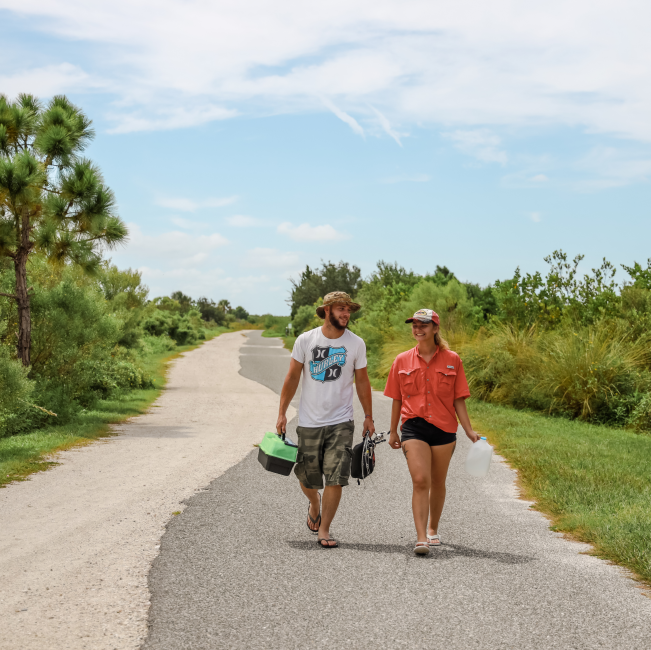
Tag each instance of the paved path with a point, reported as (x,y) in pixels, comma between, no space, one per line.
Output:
(239,569)
(77,542)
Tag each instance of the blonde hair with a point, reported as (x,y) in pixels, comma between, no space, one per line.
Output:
(440,341)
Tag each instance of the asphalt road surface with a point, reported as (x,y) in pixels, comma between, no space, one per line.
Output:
(239,568)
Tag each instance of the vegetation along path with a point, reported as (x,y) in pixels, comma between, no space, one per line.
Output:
(239,569)
(77,541)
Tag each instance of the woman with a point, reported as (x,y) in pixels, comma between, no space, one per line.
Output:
(429,388)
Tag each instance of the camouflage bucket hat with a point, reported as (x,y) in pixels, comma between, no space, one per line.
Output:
(336,298)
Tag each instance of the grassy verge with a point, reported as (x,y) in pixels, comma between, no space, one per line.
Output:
(25,454)
(592,481)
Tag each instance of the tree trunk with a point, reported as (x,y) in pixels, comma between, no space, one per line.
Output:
(22,294)
(24,311)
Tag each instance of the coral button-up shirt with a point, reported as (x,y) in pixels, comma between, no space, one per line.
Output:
(428,390)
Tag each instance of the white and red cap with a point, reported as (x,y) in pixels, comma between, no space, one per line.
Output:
(424,316)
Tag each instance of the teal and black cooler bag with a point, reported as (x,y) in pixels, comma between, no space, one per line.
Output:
(277,454)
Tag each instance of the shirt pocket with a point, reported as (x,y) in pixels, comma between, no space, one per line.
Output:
(445,383)
(410,383)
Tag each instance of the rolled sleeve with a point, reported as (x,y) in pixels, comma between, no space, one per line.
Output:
(392,389)
(461,390)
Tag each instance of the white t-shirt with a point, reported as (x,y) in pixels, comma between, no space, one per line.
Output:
(328,370)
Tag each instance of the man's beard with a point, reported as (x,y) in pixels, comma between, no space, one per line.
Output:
(335,323)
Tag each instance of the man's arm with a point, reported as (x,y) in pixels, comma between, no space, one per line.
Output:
(287,393)
(364,392)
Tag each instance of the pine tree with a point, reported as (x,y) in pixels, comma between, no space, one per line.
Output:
(52,200)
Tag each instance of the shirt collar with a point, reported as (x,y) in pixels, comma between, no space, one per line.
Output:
(435,353)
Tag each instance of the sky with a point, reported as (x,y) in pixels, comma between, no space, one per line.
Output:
(247,140)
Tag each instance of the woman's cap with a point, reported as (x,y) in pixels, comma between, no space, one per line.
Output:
(424,316)
(336,298)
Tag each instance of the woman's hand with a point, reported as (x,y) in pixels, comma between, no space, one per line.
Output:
(473,435)
(394,440)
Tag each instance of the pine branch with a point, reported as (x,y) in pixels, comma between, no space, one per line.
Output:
(10,295)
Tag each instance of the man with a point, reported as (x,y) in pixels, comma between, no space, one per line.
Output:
(329,357)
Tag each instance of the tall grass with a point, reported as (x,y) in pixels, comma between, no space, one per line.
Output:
(596,373)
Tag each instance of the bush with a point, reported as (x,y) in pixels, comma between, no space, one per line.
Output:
(16,392)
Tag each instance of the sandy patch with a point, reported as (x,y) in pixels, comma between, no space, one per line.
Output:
(77,541)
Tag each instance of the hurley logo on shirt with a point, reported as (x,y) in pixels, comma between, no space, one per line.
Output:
(327,363)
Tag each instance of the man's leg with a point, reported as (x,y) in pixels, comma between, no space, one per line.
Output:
(315,505)
(331,499)
(337,446)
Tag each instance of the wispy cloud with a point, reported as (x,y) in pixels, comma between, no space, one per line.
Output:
(188,224)
(386,125)
(175,118)
(539,178)
(243,221)
(607,167)
(172,249)
(407,178)
(480,144)
(536,217)
(271,258)
(306,232)
(344,117)
(190,205)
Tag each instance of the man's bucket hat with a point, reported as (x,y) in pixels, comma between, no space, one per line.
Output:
(424,316)
(336,298)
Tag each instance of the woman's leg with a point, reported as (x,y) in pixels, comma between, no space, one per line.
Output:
(441,455)
(419,461)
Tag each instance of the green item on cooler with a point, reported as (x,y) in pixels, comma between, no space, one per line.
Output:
(276,454)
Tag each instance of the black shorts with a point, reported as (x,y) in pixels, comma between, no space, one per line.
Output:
(419,429)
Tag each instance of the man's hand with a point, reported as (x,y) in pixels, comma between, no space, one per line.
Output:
(394,440)
(281,425)
(368,426)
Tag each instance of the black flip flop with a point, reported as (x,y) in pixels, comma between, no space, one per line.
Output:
(327,539)
(315,522)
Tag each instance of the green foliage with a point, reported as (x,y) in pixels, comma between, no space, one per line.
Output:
(15,393)
(210,311)
(306,318)
(240,313)
(315,284)
(530,299)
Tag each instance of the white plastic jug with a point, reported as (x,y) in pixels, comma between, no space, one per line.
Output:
(479,458)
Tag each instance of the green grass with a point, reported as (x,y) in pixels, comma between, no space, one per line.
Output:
(25,454)
(592,481)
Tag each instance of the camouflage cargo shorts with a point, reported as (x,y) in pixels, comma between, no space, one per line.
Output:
(324,451)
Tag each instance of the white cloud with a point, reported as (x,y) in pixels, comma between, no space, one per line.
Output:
(174,249)
(480,144)
(305,232)
(407,178)
(535,217)
(47,81)
(539,178)
(344,117)
(243,221)
(607,167)
(272,258)
(386,125)
(187,224)
(463,63)
(173,118)
(190,205)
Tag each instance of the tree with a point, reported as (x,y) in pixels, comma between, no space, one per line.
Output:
(210,310)
(183,300)
(240,313)
(51,200)
(315,284)
(224,305)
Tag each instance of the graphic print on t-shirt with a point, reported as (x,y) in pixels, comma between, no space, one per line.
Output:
(327,363)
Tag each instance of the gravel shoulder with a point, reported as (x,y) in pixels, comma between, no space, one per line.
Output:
(77,541)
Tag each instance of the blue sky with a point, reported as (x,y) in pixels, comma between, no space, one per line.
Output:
(244,142)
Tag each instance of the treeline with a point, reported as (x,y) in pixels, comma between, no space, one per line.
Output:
(570,344)
(91,337)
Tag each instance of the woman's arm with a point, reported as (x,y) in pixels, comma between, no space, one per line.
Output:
(462,414)
(394,438)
